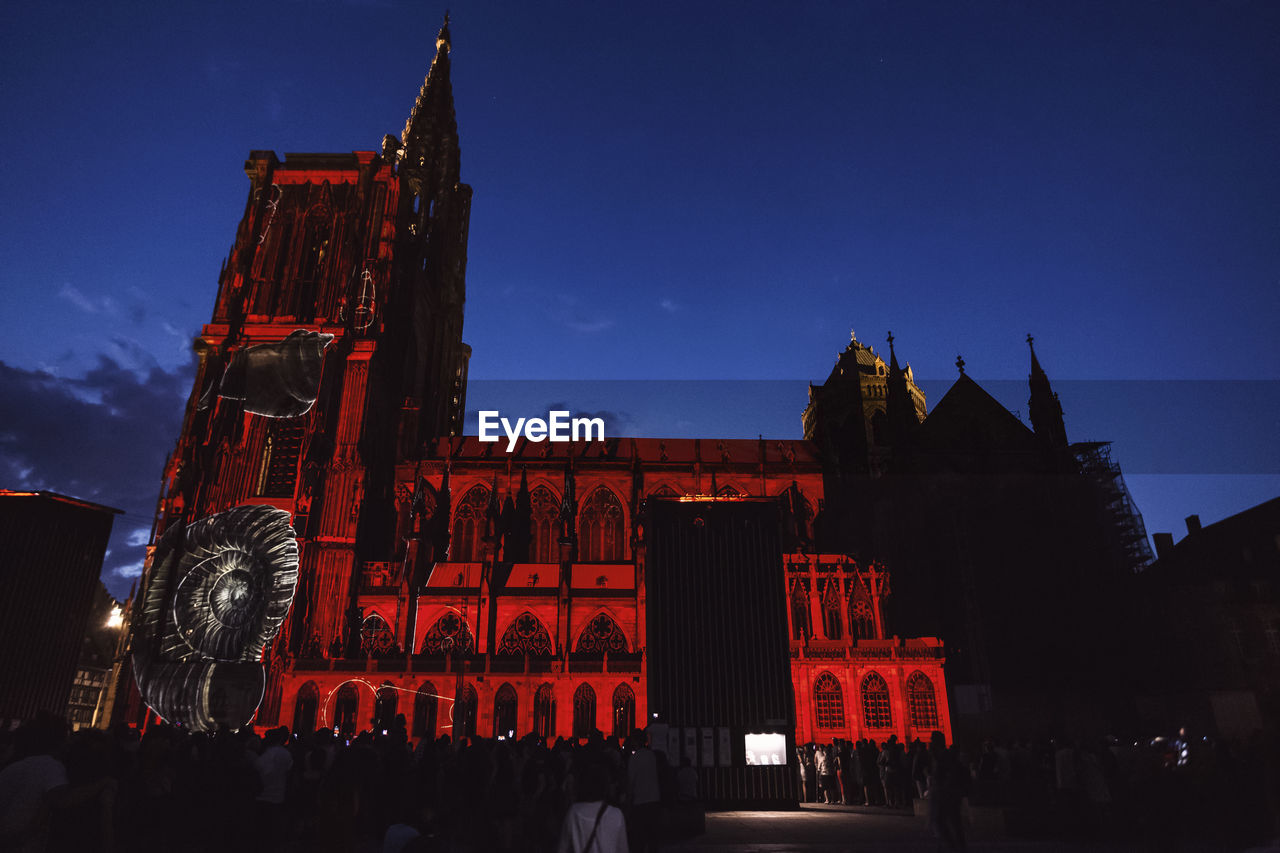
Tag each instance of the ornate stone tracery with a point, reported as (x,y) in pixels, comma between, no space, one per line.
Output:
(526,636)
(449,634)
(601,635)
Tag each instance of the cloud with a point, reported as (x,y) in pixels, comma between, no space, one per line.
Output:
(73,295)
(567,312)
(590,326)
(669,306)
(615,423)
(135,310)
(102,437)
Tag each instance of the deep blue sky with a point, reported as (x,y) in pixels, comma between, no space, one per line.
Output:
(716,190)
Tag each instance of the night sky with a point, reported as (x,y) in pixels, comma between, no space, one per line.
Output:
(714,191)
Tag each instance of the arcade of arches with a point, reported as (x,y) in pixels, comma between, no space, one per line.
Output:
(557,648)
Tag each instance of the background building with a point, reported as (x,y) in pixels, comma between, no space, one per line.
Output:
(97,660)
(52,548)
(1211,626)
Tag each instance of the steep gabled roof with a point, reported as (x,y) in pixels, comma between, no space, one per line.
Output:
(968,420)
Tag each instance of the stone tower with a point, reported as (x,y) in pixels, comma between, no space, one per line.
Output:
(334,354)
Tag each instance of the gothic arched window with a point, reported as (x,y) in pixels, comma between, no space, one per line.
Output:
(544,715)
(602,635)
(600,527)
(831,611)
(424,711)
(504,711)
(624,711)
(875,702)
(346,710)
(466,546)
(384,708)
(450,633)
(376,639)
(526,636)
(922,702)
(862,623)
(828,700)
(544,522)
(315,245)
(584,711)
(464,712)
(664,491)
(800,627)
(304,708)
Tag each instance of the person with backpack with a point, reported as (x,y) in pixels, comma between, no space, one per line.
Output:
(592,825)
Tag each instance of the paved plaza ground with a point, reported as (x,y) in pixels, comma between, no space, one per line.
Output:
(839,829)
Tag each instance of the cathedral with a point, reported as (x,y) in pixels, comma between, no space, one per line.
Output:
(799,587)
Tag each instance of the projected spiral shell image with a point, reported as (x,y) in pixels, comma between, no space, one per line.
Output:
(204,695)
(237,578)
(277,380)
(218,592)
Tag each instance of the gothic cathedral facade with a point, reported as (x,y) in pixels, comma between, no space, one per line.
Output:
(482,593)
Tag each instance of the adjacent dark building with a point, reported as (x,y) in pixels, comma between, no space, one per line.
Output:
(1210,656)
(1015,546)
(51,552)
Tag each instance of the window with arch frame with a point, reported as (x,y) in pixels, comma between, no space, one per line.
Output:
(505,707)
(465,546)
(544,523)
(624,711)
(600,527)
(304,708)
(376,637)
(875,702)
(862,623)
(831,611)
(450,634)
(464,712)
(526,636)
(584,711)
(544,712)
(800,628)
(828,702)
(425,703)
(601,635)
(922,702)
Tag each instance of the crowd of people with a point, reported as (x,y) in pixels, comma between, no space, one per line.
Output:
(169,789)
(1152,789)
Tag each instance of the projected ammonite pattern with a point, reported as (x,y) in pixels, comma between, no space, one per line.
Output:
(238,576)
(218,591)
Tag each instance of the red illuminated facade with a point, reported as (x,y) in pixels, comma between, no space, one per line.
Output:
(472,590)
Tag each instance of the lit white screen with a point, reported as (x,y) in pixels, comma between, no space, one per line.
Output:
(766,749)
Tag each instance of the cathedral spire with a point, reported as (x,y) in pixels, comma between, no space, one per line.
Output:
(899,411)
(429,147)
(1044,407)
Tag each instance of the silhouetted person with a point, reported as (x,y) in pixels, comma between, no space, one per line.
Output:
(948,785)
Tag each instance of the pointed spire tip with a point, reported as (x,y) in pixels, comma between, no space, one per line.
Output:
(442,37)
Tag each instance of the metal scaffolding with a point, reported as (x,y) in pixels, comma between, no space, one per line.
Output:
(1096,463)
